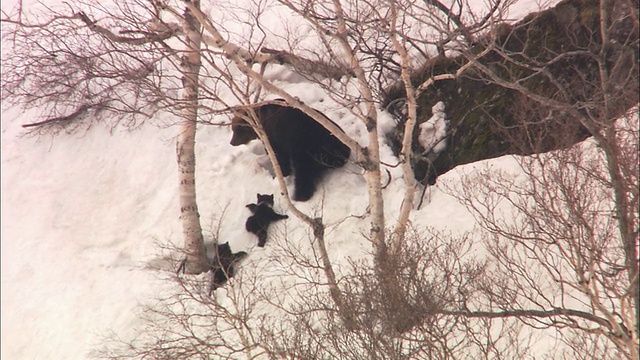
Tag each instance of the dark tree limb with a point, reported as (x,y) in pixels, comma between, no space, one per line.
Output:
(540,314)
(307,66)
(302,65)
(80,112)
(148,37)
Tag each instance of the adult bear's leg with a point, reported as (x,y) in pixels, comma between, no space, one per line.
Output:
(283,160)
(307,173)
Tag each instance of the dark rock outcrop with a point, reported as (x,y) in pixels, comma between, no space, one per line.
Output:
(488,120)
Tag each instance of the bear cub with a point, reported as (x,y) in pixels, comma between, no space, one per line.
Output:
(303,147)
(223,266)
(263,216)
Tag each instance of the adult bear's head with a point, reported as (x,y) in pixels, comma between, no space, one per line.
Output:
(242,131)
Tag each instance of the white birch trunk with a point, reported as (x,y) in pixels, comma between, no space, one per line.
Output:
(397,238)
(195,252)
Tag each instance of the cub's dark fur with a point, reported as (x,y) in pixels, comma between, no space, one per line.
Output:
(223,266)
(263,216)
(264,198)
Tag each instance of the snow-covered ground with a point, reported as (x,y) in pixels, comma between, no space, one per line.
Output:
(83,216)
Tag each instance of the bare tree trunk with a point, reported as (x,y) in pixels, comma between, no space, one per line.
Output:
(318,227)
(195,252)
(607,140)
(196,261)
(397,238)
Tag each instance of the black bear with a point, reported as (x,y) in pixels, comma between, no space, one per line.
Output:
(301,145)
(263,216)
(223,266)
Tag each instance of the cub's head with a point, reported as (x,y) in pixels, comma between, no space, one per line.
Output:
(224,250)
(242,131)
(264,198)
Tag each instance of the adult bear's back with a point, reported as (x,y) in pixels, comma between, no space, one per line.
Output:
(292,129)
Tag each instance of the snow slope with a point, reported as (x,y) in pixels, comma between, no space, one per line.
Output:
(79,212)
(83,216)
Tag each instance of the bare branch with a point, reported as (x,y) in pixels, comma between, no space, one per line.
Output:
(147,38)
(81,112)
